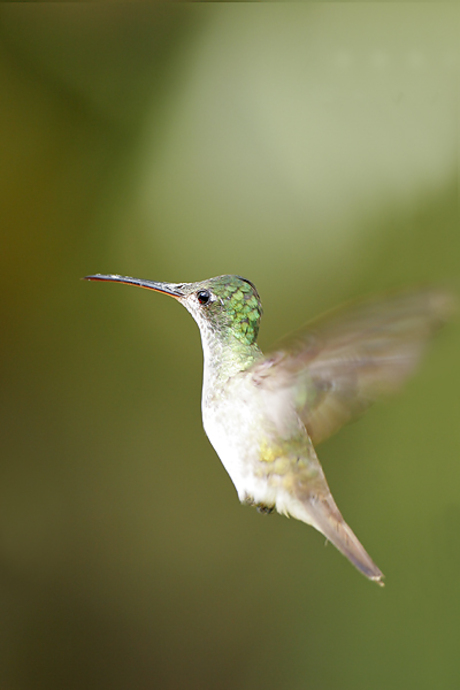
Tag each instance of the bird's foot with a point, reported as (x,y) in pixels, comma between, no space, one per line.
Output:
(261,507)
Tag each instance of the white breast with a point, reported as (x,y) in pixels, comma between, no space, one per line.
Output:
(234,432)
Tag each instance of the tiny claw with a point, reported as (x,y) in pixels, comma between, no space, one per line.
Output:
(265,510)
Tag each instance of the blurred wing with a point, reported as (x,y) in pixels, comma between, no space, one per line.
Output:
(337,365)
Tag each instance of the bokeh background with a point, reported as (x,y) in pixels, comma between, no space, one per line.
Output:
(314,149)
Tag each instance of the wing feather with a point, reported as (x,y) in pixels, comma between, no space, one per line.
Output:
(337,365)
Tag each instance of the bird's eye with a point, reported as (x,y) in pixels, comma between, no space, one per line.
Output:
(203,296)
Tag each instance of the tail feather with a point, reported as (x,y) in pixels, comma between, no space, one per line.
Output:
(323,514)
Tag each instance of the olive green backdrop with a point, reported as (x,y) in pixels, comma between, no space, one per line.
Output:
(314,149)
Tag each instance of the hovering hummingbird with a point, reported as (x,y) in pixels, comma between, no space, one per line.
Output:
(265,413)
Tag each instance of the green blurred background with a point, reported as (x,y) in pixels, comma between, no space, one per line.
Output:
(314,149)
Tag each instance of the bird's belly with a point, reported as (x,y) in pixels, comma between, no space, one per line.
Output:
(235,436)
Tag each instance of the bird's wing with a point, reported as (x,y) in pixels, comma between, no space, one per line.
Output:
(337,365)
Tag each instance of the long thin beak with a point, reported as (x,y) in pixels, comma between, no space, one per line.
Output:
(167,288)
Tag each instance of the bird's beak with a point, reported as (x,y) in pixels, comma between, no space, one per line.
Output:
(167,288)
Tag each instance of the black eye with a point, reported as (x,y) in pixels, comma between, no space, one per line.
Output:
(203,296)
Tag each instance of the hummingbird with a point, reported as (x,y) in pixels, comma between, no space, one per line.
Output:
(264,414)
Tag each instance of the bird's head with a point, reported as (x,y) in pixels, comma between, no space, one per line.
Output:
(226,305)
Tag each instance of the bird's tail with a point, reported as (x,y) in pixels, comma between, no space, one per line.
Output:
(322,513)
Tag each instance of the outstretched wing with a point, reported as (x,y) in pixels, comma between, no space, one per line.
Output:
(337,365)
